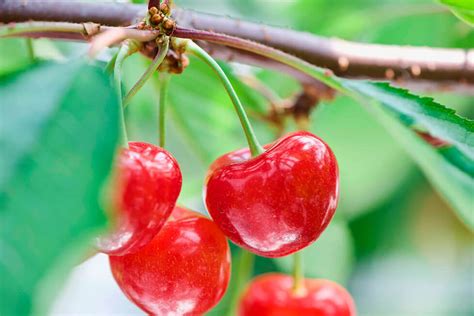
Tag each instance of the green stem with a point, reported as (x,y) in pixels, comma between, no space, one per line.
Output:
(298,272)
(265,51)
(243,273)
(110,67)
(127,49)
(31,49)
(163,50)
(164,82)
(254,145)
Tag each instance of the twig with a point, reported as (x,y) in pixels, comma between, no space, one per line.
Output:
(67,30)
(116,35)
(344,58)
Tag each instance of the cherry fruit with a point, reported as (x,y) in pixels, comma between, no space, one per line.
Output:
(273,295)
(148,182)
(278,202)
(184,270)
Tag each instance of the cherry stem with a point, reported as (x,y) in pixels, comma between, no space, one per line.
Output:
(269,52)
(164,82)
(243,273)
(298,272)
(254,145)
(110,67)
(127,49)
(31,50)
(163,50)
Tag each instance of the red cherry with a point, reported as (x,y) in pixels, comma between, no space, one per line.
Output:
(184,270)
(147,187)
(273,295)
(278,202)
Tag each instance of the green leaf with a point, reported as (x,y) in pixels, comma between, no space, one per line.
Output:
(59,134)
(360,175)
(438,120)
(460,4)
(463,9)
(465,15)
(13,55)
(397,110)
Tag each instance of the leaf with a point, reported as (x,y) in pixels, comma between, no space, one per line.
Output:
(13,55)
(465,15)
(455,157)
(463,9)
(460,4)
(356,138)
(56,149)
(397,109)
(435,118)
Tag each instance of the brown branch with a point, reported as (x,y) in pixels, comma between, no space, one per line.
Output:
(344,58)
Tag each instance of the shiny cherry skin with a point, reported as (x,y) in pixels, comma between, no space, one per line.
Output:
(184,270)
(273,295)
(278,202)
(147,184)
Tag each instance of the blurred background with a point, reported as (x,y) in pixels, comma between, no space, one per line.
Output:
(394,243)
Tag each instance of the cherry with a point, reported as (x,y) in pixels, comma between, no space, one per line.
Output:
(184,270)
(273,294)
(148,182)
(278,202)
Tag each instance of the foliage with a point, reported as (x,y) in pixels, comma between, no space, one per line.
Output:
(464,9)
(56,153)
(385,201)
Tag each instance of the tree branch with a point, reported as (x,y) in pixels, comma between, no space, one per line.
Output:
(344,58)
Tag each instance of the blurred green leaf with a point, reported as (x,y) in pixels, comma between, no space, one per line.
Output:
(438,120)
(56,149)
(13,55)
(458,159)
(356,138)
(465,15)
(464,9)
(461,4)
(397,110)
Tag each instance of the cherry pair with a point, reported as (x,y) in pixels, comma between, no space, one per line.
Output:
(166,259)
(273,205)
